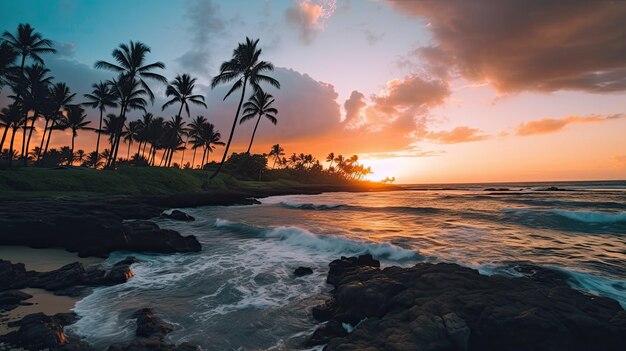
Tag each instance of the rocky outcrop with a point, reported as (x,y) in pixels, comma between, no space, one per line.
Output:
(449,307)
(92,234)
(39,331)
(151,332)
(70,276)
(302,271)
(178,215)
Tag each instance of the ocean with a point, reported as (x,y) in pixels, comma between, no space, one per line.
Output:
(239,292)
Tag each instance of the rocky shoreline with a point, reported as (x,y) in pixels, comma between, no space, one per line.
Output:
(450,307)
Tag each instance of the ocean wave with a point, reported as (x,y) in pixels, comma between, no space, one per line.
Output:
(314,206)
(334,245)
(592,216)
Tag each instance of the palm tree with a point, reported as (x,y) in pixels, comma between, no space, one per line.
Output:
(143,135)
(100,97)
(277,151)
(330,158)
(7,57)
(181,90)
(93,160)
(28,43)
(132,132)
(35,88)
(131,63)
(130,97)
(259,104)
(132,70)
(173,137)
(76,119)
(13,119)
(7,119)
(194,132)
(244,67)
(60,98)
(211,137)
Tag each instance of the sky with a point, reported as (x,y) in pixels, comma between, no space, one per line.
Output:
(425,91)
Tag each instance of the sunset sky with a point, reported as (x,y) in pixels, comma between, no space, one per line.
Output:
(426,91)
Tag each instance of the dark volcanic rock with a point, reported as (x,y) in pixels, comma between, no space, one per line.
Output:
(449,307)
(11,299)
(12,275)
(38,331)
(147,236)
(178,215)
(151,332)
(302,271)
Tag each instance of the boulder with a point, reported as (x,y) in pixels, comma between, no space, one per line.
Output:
(39,331)
(10,299)
(302,271)
(178,215)
(449,307)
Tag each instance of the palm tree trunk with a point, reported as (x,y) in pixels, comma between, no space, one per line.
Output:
(98,140)
(45,129)
(139,148)
(143,151)
(130,143)
(48,141)
(30,133)
(274,164)
(182,159)
(253,133)
(4,136)
(193,158)
(71,160)
(24,134)
(203,157)
(11,148)
(118,138)
(232,130)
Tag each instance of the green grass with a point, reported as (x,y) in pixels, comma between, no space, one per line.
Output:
(78,181)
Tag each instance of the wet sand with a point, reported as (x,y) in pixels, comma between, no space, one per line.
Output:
(43,260)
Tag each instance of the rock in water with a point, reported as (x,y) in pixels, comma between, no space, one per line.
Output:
(178,215)
(39,331)
(302,271)
(449,307)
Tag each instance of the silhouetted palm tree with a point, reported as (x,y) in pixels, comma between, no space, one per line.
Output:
(330,158)
(28,43)
(181,90)
(209,137)
(130,96)
(194,131)
(13,119)
(172,137)
(277,151)
(132,132)
(244,67)
(7,58)
(259,104)
(131,63)
(76,119)
(60,97)
(100,97)
(34,91)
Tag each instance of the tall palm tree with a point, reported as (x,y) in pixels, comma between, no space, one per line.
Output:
(60,97)
(76,120)
(330,158)
(194,131)
(35,89)
(244,67)
(100,97)
(211,137)
(132,69)
(129,93)
(131,62)
(173,137)
(13,119)
(259,104)
(181,90)
(28,43)
(277,151)
(7,58)
(143,135)
(132,133)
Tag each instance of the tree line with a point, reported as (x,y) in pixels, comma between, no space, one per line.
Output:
(36,97)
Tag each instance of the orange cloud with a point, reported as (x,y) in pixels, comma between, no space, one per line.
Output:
(551,125)
(457,135)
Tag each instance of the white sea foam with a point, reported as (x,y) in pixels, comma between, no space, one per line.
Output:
(334,245)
